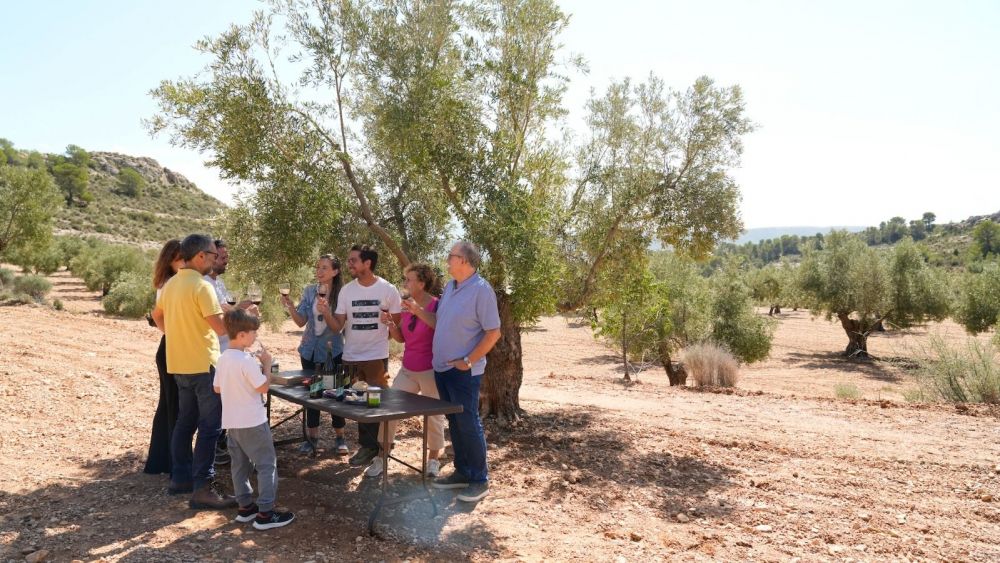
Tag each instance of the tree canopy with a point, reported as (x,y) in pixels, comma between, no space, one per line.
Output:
(28,203)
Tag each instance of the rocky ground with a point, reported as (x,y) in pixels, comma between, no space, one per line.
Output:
(778,469)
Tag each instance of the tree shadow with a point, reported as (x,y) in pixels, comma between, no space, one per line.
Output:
(871,369)
(600,359)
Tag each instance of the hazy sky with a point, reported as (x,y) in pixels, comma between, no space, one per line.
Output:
(865,109)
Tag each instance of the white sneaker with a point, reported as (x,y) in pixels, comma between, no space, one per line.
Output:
(375,469)
(433,468)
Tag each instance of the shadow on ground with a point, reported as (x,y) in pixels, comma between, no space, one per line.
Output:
(872,369)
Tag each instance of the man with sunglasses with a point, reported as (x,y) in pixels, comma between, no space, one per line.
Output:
(467,328)
(190,313)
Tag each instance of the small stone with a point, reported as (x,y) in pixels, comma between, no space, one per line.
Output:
(742,543)
(835,549)
(37,556)
(635,537)
(682,518)
(996,468)
(763,528)
(865,516)
(901,518)
(861,547)
(986,498)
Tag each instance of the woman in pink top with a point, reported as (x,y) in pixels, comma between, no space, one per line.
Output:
(416,332)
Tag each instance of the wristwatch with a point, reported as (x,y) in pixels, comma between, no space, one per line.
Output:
(467,362)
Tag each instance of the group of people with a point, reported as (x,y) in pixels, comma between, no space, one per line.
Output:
(212,388)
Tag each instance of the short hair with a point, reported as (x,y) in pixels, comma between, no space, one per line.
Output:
(367,253)
(470,253)
(427,276)
(219,243)
(193,244)
(238,320)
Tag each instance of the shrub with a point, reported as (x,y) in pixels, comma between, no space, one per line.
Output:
(736,325)
(6,277)
(847,391)
(967,374)
(711,365)
(38,259)
(69,247)
(32,285)
(101,265)
(58,305)
(130,296)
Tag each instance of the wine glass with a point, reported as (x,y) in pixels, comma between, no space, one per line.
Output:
(322,290)
(254,294)
(284,289)
(231,299)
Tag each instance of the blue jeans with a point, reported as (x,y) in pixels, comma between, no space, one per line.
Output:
(199,409)
(253,448)
(467,436)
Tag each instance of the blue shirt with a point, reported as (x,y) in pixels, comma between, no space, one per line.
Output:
(464,314)
(313,348)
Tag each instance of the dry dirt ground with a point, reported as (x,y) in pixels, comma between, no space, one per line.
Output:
(779,470)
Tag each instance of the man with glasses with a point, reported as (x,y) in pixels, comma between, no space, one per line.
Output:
(189,311)
(468,326)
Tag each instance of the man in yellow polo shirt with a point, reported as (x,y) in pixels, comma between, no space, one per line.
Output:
(191,316)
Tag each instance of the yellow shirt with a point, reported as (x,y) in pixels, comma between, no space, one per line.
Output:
(192,345)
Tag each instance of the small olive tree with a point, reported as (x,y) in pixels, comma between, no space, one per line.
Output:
(978,307)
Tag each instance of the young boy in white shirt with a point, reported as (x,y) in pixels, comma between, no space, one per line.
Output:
(242,384)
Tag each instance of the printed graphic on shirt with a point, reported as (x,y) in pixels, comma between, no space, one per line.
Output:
(364,315)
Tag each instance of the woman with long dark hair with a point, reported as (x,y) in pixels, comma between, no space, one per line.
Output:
(320,346)
(158,460)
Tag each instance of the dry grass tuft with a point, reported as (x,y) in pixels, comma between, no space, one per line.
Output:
(711,365)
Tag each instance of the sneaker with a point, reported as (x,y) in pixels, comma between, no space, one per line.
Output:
(433,468)
(212,498)
(375,469)
(340,446)
(247,514)
(222,456)
(307,448)
(475,492)
(272,519)
(364,456)
(454,481)
(180,488)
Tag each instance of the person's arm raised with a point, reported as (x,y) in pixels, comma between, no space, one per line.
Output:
(217,324)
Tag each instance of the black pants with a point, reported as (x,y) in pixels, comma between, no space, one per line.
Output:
(312,415)
(158,459)
(373,372)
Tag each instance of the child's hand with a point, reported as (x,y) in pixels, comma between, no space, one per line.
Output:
(265,358)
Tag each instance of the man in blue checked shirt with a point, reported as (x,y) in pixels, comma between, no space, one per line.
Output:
(467,328)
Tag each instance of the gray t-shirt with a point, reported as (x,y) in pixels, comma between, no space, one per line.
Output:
(464,314)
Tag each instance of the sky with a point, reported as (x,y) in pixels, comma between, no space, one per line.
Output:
(864,110)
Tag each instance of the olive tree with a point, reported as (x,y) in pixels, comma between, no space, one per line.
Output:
(28,204)
(978,308)
(862,287)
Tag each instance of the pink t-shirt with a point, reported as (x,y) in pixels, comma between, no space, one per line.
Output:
(419,341)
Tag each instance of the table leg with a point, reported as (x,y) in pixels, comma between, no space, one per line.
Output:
(384,453)
(423,472)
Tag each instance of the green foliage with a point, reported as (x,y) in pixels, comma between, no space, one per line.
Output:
(985,239)
(72,174)
(978,307)
(847,391)
(33,285)
(131,295)
(58,305)
(69,247)
(6,277)
(969,374)
(131,183)
(28,201)
(43,258)
(101,265)
(735,324)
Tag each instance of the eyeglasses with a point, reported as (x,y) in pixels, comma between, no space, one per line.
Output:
(216,254)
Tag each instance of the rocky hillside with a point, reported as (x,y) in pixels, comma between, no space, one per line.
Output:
(169,205)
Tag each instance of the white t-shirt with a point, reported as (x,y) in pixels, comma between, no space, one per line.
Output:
(237,375)
(221,293)
(365,338)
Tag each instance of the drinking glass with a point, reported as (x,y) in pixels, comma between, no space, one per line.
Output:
(284,289)
(254,294)
(231,299)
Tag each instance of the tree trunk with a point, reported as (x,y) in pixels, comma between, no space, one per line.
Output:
(857,346)
(676,373)
(625,345)
(498,396)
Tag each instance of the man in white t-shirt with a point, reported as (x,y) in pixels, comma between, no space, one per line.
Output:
(243,385)
(366,339)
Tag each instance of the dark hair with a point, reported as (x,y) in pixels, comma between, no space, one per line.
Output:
(427,276)
(219,243)
(338,280)
(193,244)
(162,271)
(367,253)
(238,320)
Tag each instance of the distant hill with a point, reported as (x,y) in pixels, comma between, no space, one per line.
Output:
(764,233)
(169,205)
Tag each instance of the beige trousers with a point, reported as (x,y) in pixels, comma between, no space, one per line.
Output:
(422,383)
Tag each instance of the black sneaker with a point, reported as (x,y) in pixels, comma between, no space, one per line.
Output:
(272,519)
(475,492)
(247,514)
(454,481)
(364,456)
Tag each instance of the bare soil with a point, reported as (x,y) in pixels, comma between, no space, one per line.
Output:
(777,469)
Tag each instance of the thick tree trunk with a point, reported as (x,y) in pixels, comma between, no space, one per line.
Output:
(676,373)
(498,396)
(857,346)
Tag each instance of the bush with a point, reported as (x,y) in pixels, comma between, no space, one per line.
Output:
(6,277)
(69,247)
(58,305)
(130,296)
(38,259)
(968,374)
(847,391)
(711,365)
(736,325)
(101,265)
(32,285)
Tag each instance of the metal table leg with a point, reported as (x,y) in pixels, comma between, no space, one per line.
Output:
(385,477)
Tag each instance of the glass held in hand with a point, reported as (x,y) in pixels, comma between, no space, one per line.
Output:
(254,294)
(231,299)
(322,290)
(284,289)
